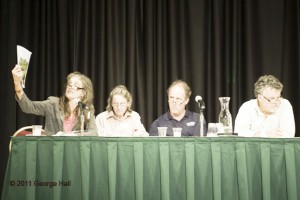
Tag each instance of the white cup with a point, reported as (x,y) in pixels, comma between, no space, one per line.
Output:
(162,131)
(37,130)
(212,130)
(177,132)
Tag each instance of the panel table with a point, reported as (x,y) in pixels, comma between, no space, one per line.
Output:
(153,168)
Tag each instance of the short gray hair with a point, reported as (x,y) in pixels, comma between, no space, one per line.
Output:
(267,81)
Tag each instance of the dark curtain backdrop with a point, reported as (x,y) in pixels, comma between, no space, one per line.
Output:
(219,47)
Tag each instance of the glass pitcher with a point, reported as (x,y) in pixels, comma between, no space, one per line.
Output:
(225,116)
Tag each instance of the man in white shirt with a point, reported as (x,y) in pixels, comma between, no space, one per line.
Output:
(269,115)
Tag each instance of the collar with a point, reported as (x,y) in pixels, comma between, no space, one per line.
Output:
(170,117)
(111,114)
(258,110)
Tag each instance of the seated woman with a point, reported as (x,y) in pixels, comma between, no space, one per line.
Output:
(61,113)
(119,120)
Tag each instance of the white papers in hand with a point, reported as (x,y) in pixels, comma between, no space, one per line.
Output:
(23,60)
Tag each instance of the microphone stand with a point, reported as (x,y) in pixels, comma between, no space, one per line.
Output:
(81,114)
(201,118)
(82,123)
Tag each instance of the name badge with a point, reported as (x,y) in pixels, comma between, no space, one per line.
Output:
(190,124)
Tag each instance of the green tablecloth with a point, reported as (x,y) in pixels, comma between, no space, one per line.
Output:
(153,168)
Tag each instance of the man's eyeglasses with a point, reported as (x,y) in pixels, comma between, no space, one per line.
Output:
(74,87)
(176,100)
(273,100)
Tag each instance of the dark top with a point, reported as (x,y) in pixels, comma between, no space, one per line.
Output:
(189,123)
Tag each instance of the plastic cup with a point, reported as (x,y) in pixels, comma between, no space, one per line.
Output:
(37,130)
(177,132)
(212,130)
(162,131)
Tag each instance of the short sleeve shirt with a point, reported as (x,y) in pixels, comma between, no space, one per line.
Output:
(189,123)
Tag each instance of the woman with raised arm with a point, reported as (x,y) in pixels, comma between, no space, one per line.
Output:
(61,113)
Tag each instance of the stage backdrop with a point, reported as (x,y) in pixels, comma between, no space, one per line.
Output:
(218,47)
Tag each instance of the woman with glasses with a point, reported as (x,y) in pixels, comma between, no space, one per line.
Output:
(269,115)
(178,116)
(62,114)
(119,120)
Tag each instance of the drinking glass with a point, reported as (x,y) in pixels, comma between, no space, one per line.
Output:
(162,131)
(212,130)
(177,132)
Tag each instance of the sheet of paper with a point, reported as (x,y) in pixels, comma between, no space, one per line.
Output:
(23,60)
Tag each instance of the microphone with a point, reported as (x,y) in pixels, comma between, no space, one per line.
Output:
(201,103)
(198,99)
(82,105)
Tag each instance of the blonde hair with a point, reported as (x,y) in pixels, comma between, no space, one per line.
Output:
(122,91)
(87,99)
